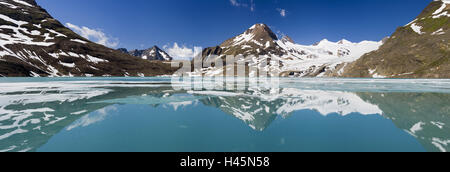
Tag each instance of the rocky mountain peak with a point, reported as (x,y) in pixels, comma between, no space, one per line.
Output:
(123,50)
(323,41)
(344,41)
(156,48)
(153,53)
(262,30)
(258,34)
(287,39)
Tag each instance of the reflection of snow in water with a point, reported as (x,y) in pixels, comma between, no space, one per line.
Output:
(324,102)
(327,102)
(30,94)
(79,112)
(92,118)
(15,120)
(441,144)
(416,128)
(177,105)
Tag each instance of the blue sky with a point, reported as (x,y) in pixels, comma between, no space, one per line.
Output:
(203,23)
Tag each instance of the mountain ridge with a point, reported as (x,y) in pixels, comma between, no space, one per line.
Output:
(33,43)
(153,53)
(420,49)
(258,47)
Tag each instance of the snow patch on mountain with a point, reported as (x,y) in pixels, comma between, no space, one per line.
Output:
(435,15)
(70,65)
(444,4)
(19,35)
(417,29)
(244,38)
(440,11)
(438,32)
(23,3)
(79,41)
(8,5)
(94,59)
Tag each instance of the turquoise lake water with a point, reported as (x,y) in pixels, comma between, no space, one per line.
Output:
(210,115)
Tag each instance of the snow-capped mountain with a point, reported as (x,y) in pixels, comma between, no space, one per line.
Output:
(420,49)
(154,53)
(323,58)
(259,46)
(33,43)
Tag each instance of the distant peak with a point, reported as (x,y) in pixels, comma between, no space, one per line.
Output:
(155,48)
(321,42)
(257,34)
(123,50)
(259,25)
(287,39)
(344,41)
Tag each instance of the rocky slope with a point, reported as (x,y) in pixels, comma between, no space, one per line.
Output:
(420,49)
(33,43)
(154,53)
(260,49)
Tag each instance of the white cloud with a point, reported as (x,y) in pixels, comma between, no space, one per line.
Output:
(95,35)
(250,4)
(182,52)
(282,12)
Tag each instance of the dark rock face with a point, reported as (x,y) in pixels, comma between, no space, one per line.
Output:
(154,53)
(421,49)
(212,51)
(35,44)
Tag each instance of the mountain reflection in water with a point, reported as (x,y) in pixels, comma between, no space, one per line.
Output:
(32,111)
